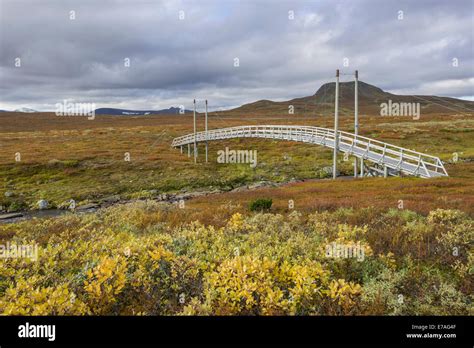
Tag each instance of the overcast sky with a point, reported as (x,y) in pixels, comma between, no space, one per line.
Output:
(81,56)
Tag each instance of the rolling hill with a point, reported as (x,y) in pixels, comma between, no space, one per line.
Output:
(370,99)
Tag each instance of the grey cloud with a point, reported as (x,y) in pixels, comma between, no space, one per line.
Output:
(174,61)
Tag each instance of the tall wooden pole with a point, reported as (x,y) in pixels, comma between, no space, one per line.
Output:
(356,115)
(194,119)
(207,146)
(336,126)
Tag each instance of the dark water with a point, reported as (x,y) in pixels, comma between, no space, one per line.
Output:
(50,213)
(42,214)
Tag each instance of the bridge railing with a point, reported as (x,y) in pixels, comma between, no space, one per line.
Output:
(392,156)
(421,161)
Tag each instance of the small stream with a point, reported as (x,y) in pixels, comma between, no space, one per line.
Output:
(170,198)
(46,213)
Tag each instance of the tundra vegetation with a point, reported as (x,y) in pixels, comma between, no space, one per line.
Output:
(213,255)
(140,259)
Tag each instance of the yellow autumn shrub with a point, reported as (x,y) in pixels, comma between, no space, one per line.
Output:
(25,299)
(252,286)
(104,282)
(344,294)
(130,260)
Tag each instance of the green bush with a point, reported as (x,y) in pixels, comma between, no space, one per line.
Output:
(261,204)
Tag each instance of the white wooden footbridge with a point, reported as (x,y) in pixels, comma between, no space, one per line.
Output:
(386,159)
(382,158)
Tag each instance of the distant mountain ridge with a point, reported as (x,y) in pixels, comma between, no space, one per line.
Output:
(125,112)
(321,102)
(26,110)
(119,112)
(370,99)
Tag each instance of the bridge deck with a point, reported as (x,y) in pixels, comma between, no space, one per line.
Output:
(388,155)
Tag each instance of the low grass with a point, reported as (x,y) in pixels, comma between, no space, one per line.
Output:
(75,158)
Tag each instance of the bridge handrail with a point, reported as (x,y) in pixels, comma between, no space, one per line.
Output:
(361,142)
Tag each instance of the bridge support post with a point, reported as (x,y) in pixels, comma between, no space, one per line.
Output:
(194,119)
(362,167)
(356,115)
(207,145)
(385,171)
(336,126)
(189,150)
(181,148)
